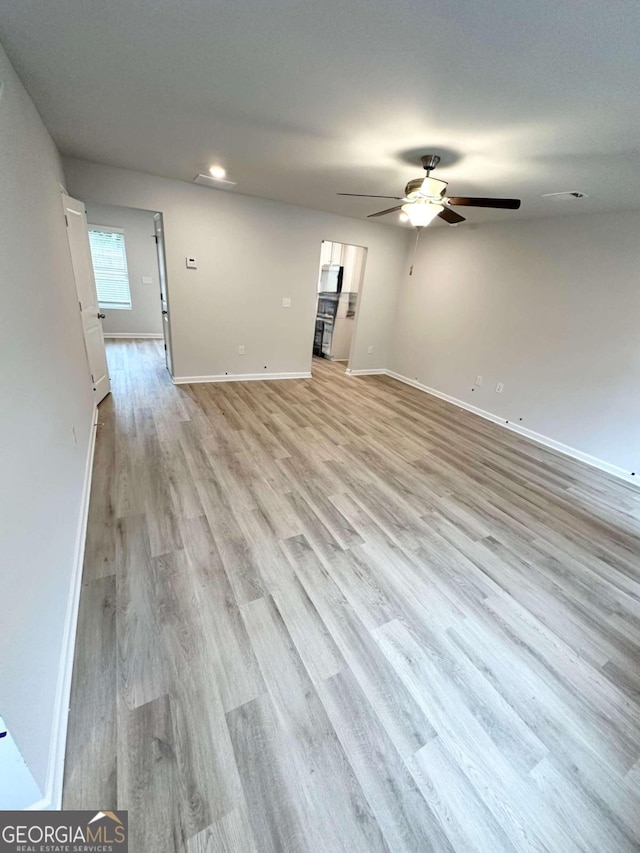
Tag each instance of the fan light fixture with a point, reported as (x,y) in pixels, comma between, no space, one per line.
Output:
(420,213)
(218,172)
(424,199)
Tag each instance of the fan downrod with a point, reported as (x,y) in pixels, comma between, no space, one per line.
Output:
(429,162)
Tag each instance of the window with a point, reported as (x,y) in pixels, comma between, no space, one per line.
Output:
(110,266)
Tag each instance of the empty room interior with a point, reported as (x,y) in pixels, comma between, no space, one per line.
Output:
(320,356)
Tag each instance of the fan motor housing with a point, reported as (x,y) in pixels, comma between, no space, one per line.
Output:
(433,188)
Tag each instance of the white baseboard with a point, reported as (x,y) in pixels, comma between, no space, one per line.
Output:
(565,449)
(156,336)
(238,377)
(52,798)
(373,371)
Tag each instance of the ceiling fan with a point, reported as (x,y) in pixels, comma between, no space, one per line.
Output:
(425,198)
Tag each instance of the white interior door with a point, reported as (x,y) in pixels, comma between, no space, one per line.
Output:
(164,298)
(78,236)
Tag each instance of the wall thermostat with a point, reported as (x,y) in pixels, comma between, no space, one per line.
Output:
(192,264)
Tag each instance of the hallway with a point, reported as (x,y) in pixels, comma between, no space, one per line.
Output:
(339,614)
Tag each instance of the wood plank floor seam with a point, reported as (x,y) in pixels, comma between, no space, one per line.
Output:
(336,614)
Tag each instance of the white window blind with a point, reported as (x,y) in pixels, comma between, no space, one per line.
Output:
(110,267)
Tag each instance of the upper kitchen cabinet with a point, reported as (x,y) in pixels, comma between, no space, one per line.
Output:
(353,263)
(325,253)
(332,253)
(337,250)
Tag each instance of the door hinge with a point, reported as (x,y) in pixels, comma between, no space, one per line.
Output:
(165,347)
(155,237)
(66,221)
(92,379)
(79,305)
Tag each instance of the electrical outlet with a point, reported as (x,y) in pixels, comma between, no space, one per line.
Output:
(499,388)
(369,350)
(286,302)
(192,263)
(478,380)
(241,350)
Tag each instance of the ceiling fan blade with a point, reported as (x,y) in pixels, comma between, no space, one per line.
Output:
(360,195)
(465,201)
(451,216)
(382,212)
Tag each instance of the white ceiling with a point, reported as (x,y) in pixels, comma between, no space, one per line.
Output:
(300,100)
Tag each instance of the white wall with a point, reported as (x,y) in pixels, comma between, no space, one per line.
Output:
(251,253)
(551,308)
(142,261)
(44,392)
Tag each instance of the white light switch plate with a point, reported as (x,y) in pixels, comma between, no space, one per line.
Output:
(146,279)
(286,302)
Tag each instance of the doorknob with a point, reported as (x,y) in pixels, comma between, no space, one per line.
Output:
(101,316)
(165,312)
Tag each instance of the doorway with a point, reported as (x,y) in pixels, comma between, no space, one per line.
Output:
(339,289)
(127,246)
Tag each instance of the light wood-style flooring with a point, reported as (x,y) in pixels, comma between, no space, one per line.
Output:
(338,614)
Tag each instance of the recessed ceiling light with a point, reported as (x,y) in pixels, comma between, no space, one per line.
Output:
(218,172)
